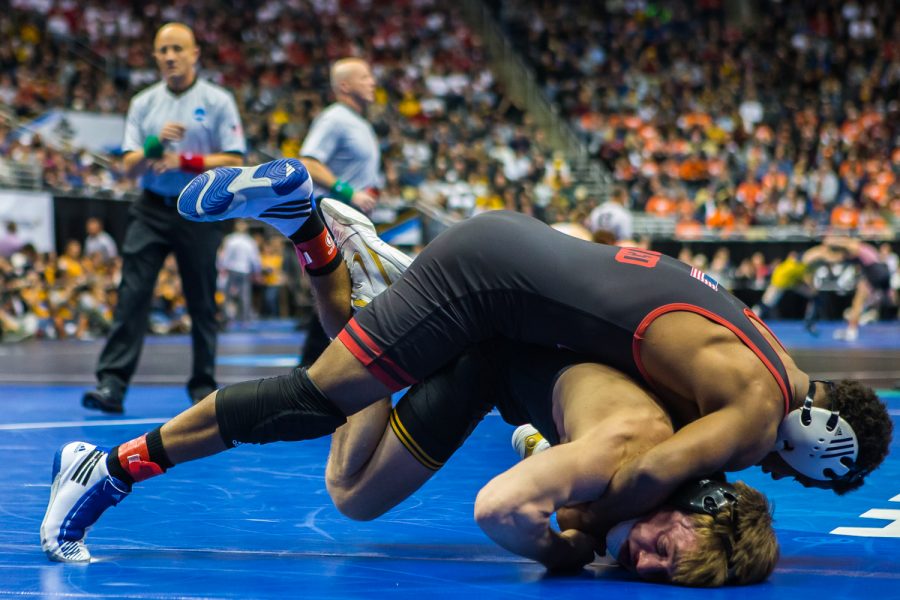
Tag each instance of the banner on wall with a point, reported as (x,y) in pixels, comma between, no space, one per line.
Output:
(100,133)
(405,233)
(32,212)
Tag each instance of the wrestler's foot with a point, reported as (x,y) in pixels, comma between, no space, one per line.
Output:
(278,193)
(526,440)
(811,327)
(374,265)
(82,489)
(851,334)
(868,316)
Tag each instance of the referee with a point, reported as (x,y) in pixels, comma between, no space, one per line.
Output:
(175,129)
(342,155)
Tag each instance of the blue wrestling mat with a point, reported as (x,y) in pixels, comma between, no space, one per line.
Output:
(257,522)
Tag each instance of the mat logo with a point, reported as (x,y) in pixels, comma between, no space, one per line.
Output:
(891,530)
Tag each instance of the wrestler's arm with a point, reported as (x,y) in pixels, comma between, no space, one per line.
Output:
(514,508)
(822,253)
(711,444)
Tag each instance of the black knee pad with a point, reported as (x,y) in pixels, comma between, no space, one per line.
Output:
(286,408)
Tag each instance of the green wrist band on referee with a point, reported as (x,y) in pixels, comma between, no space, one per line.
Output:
(153,148)
(342,190)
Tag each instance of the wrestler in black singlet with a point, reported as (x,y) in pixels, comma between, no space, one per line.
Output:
(504,274)
(436,416)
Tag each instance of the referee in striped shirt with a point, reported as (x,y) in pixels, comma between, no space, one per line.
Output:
(175,129)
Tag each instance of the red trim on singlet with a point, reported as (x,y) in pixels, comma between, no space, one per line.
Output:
(370,354)
(752,315)
(653,315)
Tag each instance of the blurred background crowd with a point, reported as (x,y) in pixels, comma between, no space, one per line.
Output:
(707,116)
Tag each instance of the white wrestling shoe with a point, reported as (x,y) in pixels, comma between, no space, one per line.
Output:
(82,489)
(848,334)
(278,193)
(374,265)
(526,440)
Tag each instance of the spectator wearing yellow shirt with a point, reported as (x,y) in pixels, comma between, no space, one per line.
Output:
(272,259)
(69,266)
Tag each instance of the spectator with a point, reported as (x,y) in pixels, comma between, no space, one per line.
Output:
(10,242)
(99,241)
(613,216)
(239,258)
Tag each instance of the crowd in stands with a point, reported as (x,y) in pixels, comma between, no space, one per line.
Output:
(784,113)
(72,295)
(448,131)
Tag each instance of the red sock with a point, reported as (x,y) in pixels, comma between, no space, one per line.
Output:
(318,253)
(134,456)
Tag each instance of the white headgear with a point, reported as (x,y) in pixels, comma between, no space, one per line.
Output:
(817,442)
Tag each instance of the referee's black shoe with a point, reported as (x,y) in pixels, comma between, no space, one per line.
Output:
(198,392)
(106,398)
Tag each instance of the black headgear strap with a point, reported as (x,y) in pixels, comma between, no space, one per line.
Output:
(710,496)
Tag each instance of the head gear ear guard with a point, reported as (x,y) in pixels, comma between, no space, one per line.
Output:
(817,442)
(710,497)
(705,497)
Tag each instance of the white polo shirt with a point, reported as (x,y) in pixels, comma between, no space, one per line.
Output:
(345,142)
(209,115)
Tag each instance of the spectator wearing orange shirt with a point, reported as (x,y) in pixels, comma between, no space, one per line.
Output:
(721,217)
(660,205)
(845,215)
(748,192)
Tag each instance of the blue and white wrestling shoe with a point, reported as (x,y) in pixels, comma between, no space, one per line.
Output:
(278,193)
(373,263)
(82,489)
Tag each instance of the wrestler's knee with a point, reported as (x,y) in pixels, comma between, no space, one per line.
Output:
(285,408)
(351,500)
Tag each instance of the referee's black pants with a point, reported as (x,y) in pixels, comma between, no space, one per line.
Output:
(155,230)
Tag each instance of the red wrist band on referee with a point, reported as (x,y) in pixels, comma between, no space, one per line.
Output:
(317,252)
(192,163)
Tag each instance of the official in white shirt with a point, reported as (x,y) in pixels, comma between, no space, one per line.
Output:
(175,129)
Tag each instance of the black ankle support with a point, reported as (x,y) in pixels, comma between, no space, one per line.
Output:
(157,451)
(286,408)
(312,228)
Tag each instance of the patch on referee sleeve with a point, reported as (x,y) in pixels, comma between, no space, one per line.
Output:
(410,444)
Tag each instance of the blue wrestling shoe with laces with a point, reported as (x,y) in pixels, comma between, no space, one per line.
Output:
(278,193)
(82,490)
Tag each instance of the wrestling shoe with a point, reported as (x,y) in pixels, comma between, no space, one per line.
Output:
(848,335)
(373,264)
(82,489)
(278,193)
(526,440)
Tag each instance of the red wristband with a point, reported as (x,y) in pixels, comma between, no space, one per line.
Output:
(192,163)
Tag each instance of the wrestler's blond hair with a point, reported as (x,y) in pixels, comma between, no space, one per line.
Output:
(736,547)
